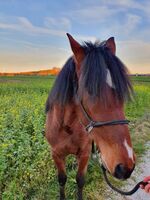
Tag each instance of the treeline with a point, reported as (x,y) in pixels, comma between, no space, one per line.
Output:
(53,71)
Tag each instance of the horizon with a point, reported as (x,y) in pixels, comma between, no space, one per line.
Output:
(18,72)
(33,33)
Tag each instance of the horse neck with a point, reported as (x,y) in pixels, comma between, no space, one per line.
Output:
(70,113)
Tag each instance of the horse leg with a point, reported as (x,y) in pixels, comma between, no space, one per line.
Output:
(62,178)
(80,177)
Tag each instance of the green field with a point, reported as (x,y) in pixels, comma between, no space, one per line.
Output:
(26,168)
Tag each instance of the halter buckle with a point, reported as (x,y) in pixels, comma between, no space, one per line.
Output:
(90,126)
(89,129)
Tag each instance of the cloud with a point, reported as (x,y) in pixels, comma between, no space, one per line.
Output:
(60,23)
(26,44)
(9,26)
(136,54)
(24,25)
(132,21)
(90,13)
(127,26)
(84,38)
(24,22)
(32,58)
(102,11)
(130,5)
(52,26)
(124,3)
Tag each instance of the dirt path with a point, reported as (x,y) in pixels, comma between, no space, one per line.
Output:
(142,170)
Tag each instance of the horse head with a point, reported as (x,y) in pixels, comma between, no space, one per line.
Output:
(103,86)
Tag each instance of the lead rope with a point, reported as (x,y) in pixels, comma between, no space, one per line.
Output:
(137,186)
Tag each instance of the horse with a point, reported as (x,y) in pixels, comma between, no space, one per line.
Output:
(86,105)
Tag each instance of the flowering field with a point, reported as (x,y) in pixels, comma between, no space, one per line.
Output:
(26,168)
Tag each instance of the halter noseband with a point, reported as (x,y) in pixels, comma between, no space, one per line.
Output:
(93,124)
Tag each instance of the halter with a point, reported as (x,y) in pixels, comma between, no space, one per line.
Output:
(93,124)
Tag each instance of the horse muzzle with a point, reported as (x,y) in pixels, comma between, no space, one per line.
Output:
(122,172)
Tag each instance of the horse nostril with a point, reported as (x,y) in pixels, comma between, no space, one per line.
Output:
(122,172)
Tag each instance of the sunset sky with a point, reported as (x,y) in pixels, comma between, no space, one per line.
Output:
(33,32)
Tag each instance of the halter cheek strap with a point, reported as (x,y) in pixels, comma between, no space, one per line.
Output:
(94,124)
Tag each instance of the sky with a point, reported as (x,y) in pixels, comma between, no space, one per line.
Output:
(33,32)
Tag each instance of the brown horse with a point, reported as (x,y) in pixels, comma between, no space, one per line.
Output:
(86,105)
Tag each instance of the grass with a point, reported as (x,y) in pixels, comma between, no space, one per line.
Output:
(26,168)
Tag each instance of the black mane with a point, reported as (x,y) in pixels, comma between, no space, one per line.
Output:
(98,59)
(64,87)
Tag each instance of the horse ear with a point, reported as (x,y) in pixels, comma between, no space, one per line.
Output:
(110,43)
(77,49)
